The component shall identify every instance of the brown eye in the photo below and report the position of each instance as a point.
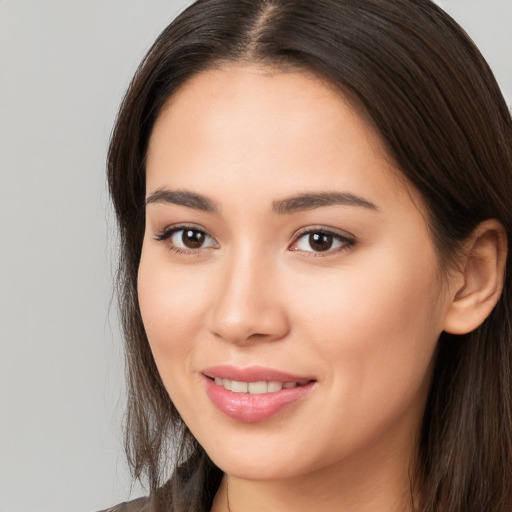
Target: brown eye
(187, 239)
(320, 242)
(192, 238)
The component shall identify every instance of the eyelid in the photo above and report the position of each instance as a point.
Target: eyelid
(319, 228)
(172, 228)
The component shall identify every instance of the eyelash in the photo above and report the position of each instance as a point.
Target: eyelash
(347, 242)
(167, 233)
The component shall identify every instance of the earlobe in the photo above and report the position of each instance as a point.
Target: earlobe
(476, 287)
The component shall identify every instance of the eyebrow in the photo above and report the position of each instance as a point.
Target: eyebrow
(304, 202)
(301, 202)
(182, 198)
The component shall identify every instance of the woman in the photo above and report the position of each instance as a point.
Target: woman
(314, 205)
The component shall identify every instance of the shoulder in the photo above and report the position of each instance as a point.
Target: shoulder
(193, 486)
(138, 505)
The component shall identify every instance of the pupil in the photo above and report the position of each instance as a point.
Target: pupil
(320, 241)
(192, 239)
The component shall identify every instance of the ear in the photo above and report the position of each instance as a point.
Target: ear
(477, 284)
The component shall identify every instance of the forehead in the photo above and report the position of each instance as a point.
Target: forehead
(258, 94)
(260, 127)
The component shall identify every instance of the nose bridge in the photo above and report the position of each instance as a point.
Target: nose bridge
(248, 304)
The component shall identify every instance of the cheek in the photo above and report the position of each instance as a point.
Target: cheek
(170, 303)
(376, 335)
(378, 328)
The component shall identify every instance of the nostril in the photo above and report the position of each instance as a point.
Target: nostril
(258, 335)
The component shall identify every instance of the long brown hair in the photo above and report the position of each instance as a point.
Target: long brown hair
(434, 101)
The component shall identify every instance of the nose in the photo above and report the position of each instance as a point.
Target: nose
(248, 305)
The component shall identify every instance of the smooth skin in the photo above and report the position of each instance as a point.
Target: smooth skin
(236, 277)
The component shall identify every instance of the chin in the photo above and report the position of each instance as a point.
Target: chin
(250, 460)
(255, 469)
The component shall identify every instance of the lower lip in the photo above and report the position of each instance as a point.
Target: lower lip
(252, 408)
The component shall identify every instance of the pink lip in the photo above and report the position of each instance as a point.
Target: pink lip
(253, 408)
(252, 374)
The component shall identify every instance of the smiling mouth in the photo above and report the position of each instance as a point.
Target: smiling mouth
(256, 393)
(256, 388)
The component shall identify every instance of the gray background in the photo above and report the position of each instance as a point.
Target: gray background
(64, 66)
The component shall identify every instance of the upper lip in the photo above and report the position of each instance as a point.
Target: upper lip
(252, 374)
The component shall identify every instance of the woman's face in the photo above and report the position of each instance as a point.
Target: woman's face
(288, 284)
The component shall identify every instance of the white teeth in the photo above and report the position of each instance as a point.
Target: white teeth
(274, 386)
(238, 387)
(257, 388)
(254, 388)
(225, 383)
